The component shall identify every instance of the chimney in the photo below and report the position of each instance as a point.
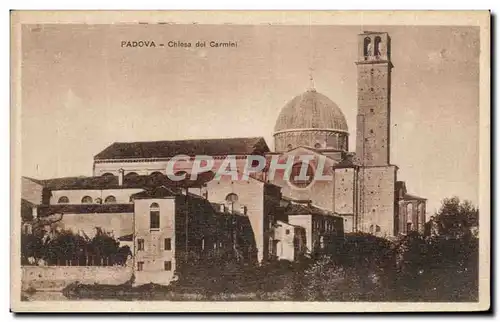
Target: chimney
(120, 177)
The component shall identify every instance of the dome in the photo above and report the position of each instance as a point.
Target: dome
(311, 110)
(311, 120)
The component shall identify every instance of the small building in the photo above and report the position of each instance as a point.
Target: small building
(323, 229)
(411, 211)
(288, 242)
(180, 232)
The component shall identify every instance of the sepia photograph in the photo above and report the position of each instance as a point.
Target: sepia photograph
(265, 161)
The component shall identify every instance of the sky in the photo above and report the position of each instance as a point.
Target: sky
(82, 91)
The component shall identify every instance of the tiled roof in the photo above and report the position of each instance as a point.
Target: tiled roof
(408, 196)
(156, 193)
(283, 223)
(346, 163)
(306, 209)
(81, 182)
(111, 182)
(129, 237)
(167, 149)
(85, 209)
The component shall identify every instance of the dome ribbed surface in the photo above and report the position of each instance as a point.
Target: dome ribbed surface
(311, 110)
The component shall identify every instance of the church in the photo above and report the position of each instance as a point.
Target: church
(364, 190)
(129, 192)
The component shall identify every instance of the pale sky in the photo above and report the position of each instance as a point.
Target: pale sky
(81, 91)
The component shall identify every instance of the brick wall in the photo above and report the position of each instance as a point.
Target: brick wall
(374, 88)
(344, 190)
(379, 199)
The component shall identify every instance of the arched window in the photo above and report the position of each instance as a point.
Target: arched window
(63, 199)
(154, 216)
(378, 41)
(231, 201)
(110, 199)
(377, 228)
(131, 177)
(108, 174)
(317, 146)
(98, 201)
(87, 199)
(297, 180)
(156, 177)
(367, 47)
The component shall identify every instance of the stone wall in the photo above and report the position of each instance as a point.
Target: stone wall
(55, 278)
(119, 224)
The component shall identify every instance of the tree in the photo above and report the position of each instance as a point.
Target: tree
(441, 266)
(103, 247)
(31, 248)
(456, 218)
(123, 253)
(64, 247)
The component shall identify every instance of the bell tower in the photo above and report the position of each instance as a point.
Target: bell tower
(376, 177)
(374, 99)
